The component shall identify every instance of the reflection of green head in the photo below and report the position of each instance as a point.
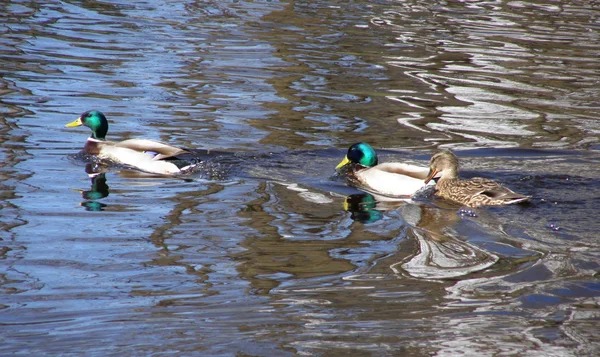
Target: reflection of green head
(362, 207)
(367, 216)
(93, 206)
(363, 154)
(94, 120)
(99, 188)
(98, 191)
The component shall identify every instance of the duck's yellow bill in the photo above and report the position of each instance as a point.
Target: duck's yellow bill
(346, 205)
(343, 163)
(431, 175)
(74, 123)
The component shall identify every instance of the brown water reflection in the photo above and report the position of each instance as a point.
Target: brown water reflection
(257, 255)
(474, 75)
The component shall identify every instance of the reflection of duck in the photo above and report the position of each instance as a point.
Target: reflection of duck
(97, 191)
(367, 208)
(391, 178)
(146, 155)
(362, 208)
(441, 255)
(474, 192)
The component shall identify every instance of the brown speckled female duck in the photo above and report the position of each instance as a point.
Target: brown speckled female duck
(474, 192)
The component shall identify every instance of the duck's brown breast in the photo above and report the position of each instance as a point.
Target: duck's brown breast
(92, 147)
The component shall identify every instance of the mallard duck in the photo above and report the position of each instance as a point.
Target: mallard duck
(390, 179)
(144, 154)
(475, 192)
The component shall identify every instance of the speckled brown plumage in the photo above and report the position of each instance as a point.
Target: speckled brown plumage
(474, 192)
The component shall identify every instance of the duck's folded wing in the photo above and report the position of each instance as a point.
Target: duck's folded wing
(495, 191)
(393, 179)
(417, 172)
(504, 194)
(162, 151)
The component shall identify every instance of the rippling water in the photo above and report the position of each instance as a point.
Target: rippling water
(263, 252)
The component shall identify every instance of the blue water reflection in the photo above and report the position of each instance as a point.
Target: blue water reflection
(260, 252)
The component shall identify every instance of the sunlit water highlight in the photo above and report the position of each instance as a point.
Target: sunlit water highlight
(253, 253)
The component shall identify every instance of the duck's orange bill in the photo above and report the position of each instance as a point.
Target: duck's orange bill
(74, 123)
(343, 163)
(432, 173)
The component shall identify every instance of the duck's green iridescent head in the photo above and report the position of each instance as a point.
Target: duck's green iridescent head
(94, 120)
(360, 153)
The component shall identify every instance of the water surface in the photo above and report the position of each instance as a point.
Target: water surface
(263, 252)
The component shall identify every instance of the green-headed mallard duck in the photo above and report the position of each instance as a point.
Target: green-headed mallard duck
(144, 154)
(474, 192)
(390, 179)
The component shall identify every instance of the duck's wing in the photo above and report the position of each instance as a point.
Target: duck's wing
(495, 191)
(162, 151)
(393, 179)
(408, 170)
